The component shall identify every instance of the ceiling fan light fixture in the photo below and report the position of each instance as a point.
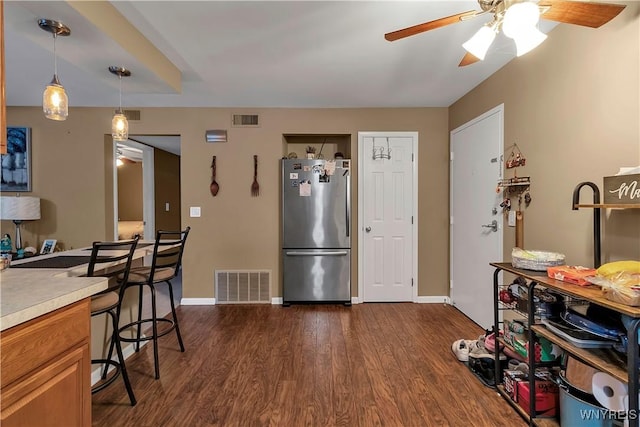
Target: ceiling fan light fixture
(520, 17)
(528, 40)
(479, 44)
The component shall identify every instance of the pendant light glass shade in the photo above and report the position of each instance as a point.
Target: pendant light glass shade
(119, 127)
(55, 103)
(119, 123)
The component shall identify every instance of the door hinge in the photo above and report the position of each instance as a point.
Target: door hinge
(450, 284)
(411, 219)
(450, 220)
(451, 156)
(412, 282)
(412, 157)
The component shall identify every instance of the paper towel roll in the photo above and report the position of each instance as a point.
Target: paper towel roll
(609, 392)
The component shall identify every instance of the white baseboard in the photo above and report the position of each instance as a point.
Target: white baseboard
(198, 301)
(433, 300)
(356, 300)
(127, 351)
(276, 300)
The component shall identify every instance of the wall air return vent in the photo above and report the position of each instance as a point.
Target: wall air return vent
(245, 120)
(132, 114)
(243, 286)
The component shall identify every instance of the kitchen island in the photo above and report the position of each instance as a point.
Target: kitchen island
(45, 358)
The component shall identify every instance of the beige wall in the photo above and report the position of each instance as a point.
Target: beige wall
(236, 231)
(130, 192)
(167, 189)
(572, 106)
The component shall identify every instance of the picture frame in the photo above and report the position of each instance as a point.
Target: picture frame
(48, 246)
(16, 164)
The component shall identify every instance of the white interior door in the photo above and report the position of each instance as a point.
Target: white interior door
(476, 167)
(387, 216)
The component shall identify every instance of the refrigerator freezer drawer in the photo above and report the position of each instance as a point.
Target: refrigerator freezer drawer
(313, 275)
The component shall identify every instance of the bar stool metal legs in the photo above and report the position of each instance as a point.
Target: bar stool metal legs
(155, 321)
(119, 366)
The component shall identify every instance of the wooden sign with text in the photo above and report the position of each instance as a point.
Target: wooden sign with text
(622, 189)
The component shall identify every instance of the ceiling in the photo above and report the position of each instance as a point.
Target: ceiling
(298, 54)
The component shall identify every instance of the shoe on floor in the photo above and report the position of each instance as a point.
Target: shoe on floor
(461, 349)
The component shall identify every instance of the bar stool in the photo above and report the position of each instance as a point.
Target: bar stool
(165, 265)
(113, 260)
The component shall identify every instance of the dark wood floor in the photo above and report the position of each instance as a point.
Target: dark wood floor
(308, 365)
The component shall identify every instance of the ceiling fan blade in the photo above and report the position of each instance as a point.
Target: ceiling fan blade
(468, 59)
(587, 14)
(431, 25)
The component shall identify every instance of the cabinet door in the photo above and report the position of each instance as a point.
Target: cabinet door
(52, 396)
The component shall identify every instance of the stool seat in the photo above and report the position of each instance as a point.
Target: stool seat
(141, 274)
(104, 301)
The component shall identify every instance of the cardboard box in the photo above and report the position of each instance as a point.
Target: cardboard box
(511, 379)
(622, 189)
(547, 397)
(571, 274)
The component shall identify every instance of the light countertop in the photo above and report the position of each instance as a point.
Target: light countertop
(27, 294)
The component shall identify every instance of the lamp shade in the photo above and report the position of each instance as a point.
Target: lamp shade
(20, 208)
(528, 40)
(480, 42)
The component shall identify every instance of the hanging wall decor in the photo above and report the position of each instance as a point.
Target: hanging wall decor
(213, 187)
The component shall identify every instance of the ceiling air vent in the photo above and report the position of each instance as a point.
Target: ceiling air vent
(245, 120)
(132, 114)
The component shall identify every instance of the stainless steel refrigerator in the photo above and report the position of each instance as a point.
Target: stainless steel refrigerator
(316, 232)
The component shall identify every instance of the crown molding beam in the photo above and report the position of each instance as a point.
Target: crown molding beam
(112, 23)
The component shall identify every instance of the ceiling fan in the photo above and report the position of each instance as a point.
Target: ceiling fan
(517, 19)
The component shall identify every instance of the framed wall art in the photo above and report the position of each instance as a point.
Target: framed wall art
(16, 164)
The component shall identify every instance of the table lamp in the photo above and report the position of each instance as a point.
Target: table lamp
(18, 209)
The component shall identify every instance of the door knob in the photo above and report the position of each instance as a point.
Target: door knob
(368, 229)
(493, 226)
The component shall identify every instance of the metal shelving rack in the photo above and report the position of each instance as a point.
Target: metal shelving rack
(591, 357)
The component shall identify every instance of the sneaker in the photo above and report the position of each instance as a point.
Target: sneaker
(462, 347)
(481, 352)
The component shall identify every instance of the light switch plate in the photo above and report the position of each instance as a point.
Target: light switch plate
(512, 219)
(194, 212)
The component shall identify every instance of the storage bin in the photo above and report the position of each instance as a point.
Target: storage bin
(576, 412)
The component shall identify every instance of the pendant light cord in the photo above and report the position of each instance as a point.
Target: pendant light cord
(120, 78)
(55, 56)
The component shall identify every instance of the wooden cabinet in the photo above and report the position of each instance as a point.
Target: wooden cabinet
(46, 369)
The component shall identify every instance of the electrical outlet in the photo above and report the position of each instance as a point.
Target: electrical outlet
(166, 207)
(194, 212)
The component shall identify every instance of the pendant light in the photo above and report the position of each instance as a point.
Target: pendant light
(55, 102)
(119, 123)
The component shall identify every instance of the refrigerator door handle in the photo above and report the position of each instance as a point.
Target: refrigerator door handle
(315, 253)
(348, 203)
